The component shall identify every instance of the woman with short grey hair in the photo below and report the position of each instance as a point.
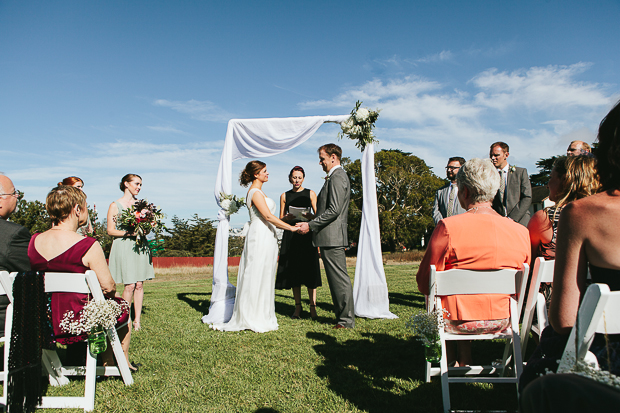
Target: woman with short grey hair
(481, 179)
(479, 239)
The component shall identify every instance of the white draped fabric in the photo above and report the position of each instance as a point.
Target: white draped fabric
(259, 138)
(370, 292)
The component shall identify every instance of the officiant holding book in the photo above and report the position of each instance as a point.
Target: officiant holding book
(299, 258)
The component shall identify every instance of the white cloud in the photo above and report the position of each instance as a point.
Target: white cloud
(166, 129)
(200, 110)
(540, 109)
(443, 56)
(551, 87)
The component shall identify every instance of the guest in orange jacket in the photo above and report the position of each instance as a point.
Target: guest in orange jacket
(479, 239)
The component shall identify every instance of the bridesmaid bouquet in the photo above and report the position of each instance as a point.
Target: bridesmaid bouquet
(141, 219)
(359, 126)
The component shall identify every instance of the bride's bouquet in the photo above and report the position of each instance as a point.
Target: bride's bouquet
(141, 219)
(359, 126)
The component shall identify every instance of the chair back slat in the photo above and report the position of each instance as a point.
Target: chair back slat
(59, 282)
(609, 323)
(452, 282)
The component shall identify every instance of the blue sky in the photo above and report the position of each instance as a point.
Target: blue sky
(99, 89)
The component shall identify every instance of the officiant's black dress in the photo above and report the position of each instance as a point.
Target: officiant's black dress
(299, 259)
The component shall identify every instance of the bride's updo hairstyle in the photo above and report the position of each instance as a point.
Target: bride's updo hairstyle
(61, 200)
(127, 178)
(251, 169)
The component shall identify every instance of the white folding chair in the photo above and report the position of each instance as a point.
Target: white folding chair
(461, 282)
(535, 302)
(598, 313)
(76, 283)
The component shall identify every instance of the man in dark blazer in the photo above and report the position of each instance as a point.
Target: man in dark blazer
(14, 240)
(446, 199)
(329, 232)
(514, 196)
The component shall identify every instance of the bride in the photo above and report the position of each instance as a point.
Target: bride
(255, 301)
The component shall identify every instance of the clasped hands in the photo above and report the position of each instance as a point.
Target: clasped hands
(304, 228)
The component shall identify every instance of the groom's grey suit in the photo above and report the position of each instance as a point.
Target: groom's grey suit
(329, 232)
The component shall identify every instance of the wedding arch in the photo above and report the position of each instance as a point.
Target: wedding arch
(259, 138)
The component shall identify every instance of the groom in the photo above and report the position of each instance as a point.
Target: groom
(329, 232)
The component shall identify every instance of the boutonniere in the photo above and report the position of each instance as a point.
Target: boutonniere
(513, 168)
(326, 178)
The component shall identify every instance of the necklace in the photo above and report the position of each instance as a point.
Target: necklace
(62, 229)
(475, 209)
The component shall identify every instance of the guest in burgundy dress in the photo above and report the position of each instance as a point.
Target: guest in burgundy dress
(61, 249)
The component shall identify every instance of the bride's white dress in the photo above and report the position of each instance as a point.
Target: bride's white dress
(255, 300)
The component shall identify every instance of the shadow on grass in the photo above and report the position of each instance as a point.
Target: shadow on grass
(199, 304)
(415, 300)
(380, 372)
(288, 309)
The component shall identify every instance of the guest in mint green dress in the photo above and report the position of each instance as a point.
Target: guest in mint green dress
(129, 264)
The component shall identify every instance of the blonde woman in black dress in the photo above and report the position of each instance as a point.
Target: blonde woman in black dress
(299, 259)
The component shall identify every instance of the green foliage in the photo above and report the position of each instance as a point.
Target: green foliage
(406, 189)
(32, 215)
(545, 165)
(235, 246)
(194, 237)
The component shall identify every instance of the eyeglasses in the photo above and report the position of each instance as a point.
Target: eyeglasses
(452, 168)
(15, 193)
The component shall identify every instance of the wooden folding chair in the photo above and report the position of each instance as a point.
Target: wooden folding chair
(535, 302)
(461, 282)
(76, 283)
(598, 313)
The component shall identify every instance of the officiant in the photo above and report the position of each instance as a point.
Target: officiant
(299, 259)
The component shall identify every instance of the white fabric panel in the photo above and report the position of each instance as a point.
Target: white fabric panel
(370, 292)
(249, 138)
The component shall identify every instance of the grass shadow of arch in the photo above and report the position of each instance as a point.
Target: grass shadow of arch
(200, 305)
(380, 372)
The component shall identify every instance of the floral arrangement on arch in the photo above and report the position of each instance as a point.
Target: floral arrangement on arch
(359, 126)
(230, 203)
(141, 219)
(95, 314)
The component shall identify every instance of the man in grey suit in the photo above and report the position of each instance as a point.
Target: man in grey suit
(446, 199)
(514, 195)
(14, 240)
(329, 232)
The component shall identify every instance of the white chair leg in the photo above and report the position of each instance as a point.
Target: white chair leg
(119, 355)
(427, 375)
(90, 381)
(445, 389)
(53, 366)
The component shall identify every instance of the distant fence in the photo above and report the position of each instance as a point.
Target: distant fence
(168, 262)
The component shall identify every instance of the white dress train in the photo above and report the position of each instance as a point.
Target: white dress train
(255, 300)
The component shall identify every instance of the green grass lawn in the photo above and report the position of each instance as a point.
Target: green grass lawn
(305, 366)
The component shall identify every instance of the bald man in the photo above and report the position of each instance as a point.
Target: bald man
(578, 148)
(14, 240)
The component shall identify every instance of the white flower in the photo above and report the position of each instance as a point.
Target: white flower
(346, 125)
(356, 130)
(362, 114)
(225, 204)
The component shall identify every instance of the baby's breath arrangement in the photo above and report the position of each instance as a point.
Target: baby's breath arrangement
(359, 126)
(426, 326)
(94, 315)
